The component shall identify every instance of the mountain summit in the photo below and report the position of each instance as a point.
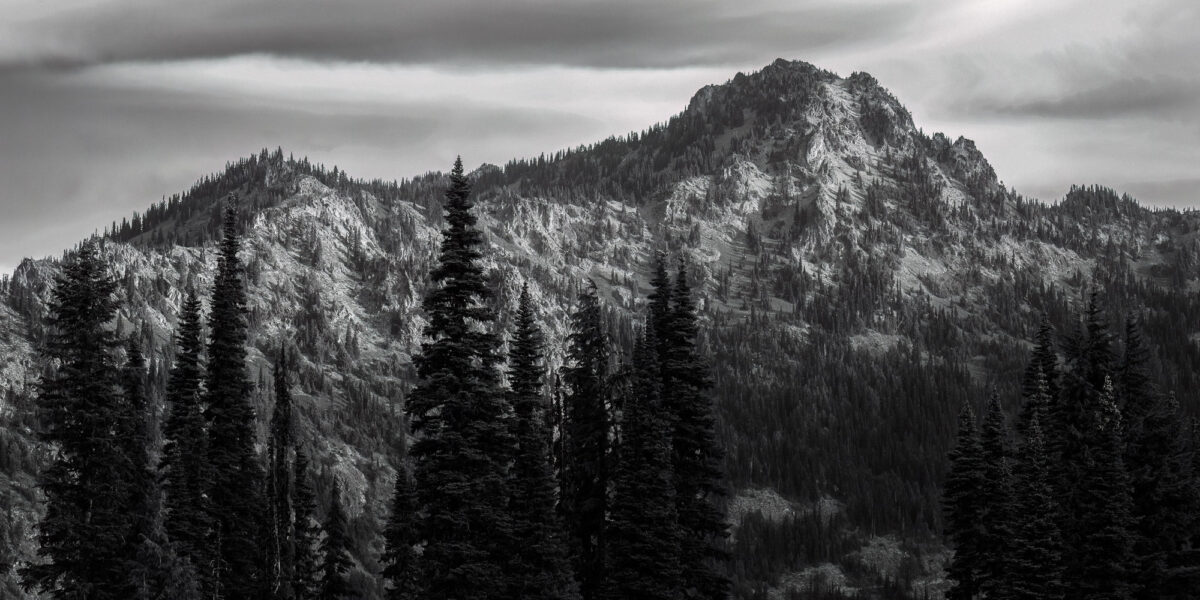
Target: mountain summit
(858, 281)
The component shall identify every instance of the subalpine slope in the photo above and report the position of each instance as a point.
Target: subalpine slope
(858, 280)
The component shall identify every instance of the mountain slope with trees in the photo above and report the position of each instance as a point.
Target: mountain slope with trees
(856, 282)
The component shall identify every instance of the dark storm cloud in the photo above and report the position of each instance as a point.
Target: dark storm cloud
(624, 34)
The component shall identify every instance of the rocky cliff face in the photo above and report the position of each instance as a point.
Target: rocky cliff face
(858, 280)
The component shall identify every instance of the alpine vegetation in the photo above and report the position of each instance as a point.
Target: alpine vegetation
(479, 515)
(784, 345)
(1095, 496)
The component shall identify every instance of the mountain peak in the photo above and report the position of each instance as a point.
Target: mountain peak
(783, 65)
(770, 87)
(802, 97)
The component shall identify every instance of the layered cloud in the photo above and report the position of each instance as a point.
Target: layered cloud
(595, 34)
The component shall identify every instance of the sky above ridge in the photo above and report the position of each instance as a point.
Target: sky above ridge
(106, 107)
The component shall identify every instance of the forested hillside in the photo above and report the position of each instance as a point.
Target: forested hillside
(857, 281)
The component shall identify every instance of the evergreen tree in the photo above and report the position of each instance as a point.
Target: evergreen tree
(1037, 565)
(1134, 387)
(1104, 566)
(184, 465)
(659, 307)
(1072, 436)
(85, 536)
(1185, 571)
(306, 567)
(556, 423)
(1089, 362)
(1096, 350)
(237, 481)
(643, 535)
(464, 447)
(585, 494)
(335, 550)
(1039, 396)
(1163, 494)
(1158, 460)
(999, 510)
(696, 454)
(541, 569)
(135, 438)
(158, 571)
(401, 569)
(279, 543)
(963, 503)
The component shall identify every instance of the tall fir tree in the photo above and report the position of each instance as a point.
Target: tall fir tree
(1089, 361)
(237, 481)
(134, 435)
(1144, 458)
(159, 571)
(184, 461)
(1071, 434)
(461, 416)
(400, 559)
(305, 531)
(696, 453)
(559, 445)
(335, 551)
(1038, 562)
(1104, 565)
(1186, 571)
(279, 543)
(659, 307)
(1161, 480)
(1039, 387)
(1135, 389)
(999, 510)
(963, 502)
(541, 567)
(584, 499)
(86, 533)
(643, 533)
(1096, 349)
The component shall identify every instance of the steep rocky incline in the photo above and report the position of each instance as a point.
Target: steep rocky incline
(858, 279)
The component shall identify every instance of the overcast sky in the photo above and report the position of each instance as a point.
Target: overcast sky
(106, 107)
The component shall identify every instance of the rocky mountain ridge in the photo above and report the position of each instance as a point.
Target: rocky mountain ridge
(857, 278)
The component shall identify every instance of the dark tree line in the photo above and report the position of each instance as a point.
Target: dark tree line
(613, 491)
(632, 511)
(125, 519)
(87, 540)
(875, 422)
(1094, 496)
